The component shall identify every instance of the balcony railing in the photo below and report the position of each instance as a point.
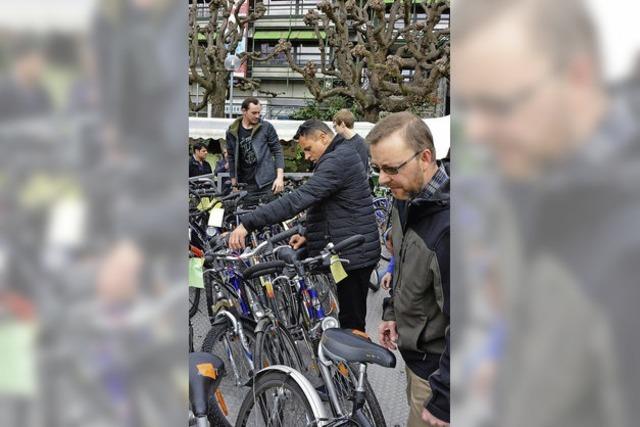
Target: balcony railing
(301, 59)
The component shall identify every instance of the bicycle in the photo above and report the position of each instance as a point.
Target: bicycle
(282, 396)
(243, 328)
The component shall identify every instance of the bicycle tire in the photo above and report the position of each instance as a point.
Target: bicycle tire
(345, 390)
(283, 303)
(228, 387)
(276, 380)
(194, 301)
(275, 346)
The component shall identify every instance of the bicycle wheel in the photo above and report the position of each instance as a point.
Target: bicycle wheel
(345, 379)
(382, 216)
(283, 303)
(222, 341)
(327, 294)
(274, 346)
(276, 400)
(194, 300)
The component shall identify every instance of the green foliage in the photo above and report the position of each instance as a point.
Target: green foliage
(294, 159)
(326, 109)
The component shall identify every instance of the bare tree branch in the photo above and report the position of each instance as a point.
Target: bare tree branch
(378, 56)
(222, 33)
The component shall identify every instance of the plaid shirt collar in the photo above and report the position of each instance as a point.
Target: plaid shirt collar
(436, 182)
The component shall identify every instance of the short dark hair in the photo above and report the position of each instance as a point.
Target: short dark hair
(312, 126)
(199, 146)
(248, 101)
(412, 128)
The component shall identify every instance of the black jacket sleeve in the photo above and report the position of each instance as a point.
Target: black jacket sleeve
(326, 179)
(231, 154)
(275, 147)
(439, 381)
(193, 171)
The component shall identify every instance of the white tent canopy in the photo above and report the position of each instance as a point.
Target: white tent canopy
(216, 128)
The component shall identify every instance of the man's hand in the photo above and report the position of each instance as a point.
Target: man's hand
(236, 240)
(297, 241)
(385, 283)
(278, 185)
(431, 420)
(388, 334)
(234, 185)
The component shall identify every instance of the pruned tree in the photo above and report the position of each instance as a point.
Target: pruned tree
(209, 46)
(364, 49)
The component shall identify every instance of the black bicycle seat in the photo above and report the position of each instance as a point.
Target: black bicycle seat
(205, 373)
(345, 345)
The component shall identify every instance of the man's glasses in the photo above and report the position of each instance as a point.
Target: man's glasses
(502, 106)
(393, 170)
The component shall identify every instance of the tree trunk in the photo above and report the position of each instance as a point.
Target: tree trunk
(218, 99)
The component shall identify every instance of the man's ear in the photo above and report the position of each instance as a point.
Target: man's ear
(427, 156)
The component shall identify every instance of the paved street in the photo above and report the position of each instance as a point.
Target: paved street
(389, 384)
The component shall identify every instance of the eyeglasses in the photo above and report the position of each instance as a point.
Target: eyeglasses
(502, 106)
(391, 170)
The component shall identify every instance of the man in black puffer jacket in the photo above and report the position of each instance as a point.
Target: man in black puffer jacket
(339, 206)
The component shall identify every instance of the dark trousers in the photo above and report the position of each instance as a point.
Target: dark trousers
(352, 298)
(257, 195)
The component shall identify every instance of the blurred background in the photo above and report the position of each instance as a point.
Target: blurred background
(545, 204)
(93, 120)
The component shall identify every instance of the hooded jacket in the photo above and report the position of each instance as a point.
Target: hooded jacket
(420, 302)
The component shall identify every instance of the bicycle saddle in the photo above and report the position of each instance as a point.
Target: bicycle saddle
(345, 345)
(205, 373)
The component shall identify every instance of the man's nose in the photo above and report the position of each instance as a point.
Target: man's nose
(384, 178)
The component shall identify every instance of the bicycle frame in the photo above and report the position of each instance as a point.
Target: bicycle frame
(358, 404)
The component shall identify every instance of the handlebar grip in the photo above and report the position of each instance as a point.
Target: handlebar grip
(231, 196)
(263, 268)
(349, 243)
(285, 235)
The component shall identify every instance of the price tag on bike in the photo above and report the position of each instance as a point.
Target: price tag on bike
(195, 273)
(216, 216)
(337, 270)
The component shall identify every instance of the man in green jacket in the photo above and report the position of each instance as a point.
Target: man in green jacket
(417, 318)
(255, 154)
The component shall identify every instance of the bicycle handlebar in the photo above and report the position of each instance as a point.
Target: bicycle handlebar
(285, 235)
(348, 243)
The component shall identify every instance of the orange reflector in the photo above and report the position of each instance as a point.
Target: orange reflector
(221, 403)
(342, 368)
(360, 333)
(207, 370)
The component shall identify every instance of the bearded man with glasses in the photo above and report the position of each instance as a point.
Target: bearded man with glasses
(417, 318)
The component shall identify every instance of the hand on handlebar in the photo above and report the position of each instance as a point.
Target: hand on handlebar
(297, 241)
(237, 238)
